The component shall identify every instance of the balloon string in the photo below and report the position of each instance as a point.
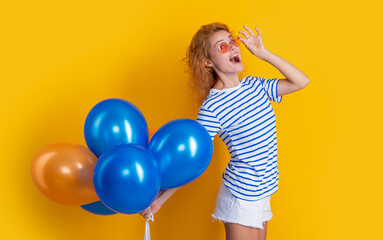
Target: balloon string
(147, 228)
(151, 217)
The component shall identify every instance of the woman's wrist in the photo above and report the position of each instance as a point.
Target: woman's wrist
(164, 195)
(265, 54)
(160, 193)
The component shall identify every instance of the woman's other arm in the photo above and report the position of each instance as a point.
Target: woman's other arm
(162, 197)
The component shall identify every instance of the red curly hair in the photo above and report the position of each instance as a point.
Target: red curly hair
(202, 78)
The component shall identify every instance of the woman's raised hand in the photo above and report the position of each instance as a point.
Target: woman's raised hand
(253, 43)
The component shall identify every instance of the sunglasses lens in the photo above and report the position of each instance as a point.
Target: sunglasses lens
(223, 47)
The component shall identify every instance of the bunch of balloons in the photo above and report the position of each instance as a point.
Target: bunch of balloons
(121, 172)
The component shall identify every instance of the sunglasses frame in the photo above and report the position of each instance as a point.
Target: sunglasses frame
(225, 44)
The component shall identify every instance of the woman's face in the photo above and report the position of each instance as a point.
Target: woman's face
(228, 62)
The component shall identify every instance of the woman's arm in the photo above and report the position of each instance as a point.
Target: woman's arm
(162, 196)
(295, 78)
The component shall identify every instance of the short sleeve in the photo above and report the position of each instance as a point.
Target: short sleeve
(270, 87)
(208, 119)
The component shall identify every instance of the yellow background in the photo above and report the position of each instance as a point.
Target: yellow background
(59, 59)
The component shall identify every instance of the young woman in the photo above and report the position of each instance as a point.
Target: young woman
(239, 111)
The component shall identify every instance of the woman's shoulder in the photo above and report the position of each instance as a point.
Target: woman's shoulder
(209, 98)
(249, 79)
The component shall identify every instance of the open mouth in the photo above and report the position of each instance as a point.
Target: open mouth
(235, 58)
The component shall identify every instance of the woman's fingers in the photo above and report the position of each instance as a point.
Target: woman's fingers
(143, 212)
(145, 215)
(146, 212)
(244, 34)
(249, 30)
(243, 40)
(259, 32)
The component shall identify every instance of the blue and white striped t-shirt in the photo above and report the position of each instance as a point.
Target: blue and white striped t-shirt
(245, 121)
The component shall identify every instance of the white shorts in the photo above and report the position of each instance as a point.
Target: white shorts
(248, 213)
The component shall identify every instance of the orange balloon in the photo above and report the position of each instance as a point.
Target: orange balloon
(64, 173)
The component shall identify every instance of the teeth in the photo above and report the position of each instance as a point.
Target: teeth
(235, 55)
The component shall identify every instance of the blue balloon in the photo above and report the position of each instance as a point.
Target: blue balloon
(183, 150)
(112, 122)
(126, 178)
(98, 208)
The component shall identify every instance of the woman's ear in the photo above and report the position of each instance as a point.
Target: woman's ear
(208, 63)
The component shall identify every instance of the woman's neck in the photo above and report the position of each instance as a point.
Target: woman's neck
(226, 81)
